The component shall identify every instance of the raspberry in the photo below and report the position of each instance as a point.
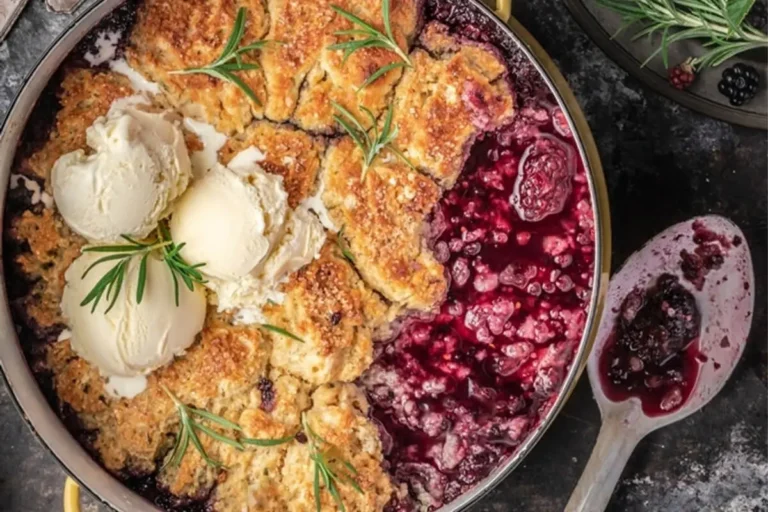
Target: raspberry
(682, 75)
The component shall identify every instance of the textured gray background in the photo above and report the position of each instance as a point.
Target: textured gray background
(663, 164)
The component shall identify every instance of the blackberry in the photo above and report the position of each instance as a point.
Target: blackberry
(739, 84)
(758, 16)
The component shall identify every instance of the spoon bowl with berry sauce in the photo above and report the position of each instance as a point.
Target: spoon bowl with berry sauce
(676, 322)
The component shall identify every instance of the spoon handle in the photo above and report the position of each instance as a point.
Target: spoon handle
(614, 445)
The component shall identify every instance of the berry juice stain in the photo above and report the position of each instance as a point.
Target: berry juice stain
(652, 353)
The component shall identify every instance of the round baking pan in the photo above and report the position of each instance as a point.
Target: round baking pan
(50, 429)
(602, 24)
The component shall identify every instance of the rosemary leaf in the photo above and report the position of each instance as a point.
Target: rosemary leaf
(103, 260)
(341, 243)
(122, 269)
(133, 241)
(113, 248)
(238, 31)
(179, 449)
(316, 488)
(215, 418)
(101, 286)
(280, 330)
(142, 279)
(197, 444)
(267, 442)
(215, 435)
(349, 467)
(175, 288)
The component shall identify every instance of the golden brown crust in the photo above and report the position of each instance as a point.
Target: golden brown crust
(290, 153)
(176, 35)
(305, 29)
(339, 415)
(455, 91)
(52, 248)
(129, 433)
(219, 373)
(77, 382)
(333, 79)
(226, 363)
(301, 28)
(254, 476)
(133, 433)
(85, 95)
(330, 309)
(383, 219)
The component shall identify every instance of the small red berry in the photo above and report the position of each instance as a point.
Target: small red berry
(682, 76)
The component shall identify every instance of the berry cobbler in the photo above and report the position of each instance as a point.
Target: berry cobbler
(381, 215)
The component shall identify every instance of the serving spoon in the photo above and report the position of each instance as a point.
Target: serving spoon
(726, 303)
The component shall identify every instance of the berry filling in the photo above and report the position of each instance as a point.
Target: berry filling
(708, 255)
(652, 351)
(455, 393)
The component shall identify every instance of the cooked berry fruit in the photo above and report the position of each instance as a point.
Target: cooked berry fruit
(647, 352)
(739, 84)
(544, 180)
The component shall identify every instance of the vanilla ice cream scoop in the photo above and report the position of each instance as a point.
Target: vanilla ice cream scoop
(300, 243)
(138, 167)
(237, 221)
(229, 221)
(131, 339)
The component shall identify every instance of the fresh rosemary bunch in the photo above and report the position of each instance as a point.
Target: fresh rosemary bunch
(329, 467)
(111, 282)
(370, 38)
(371, 144)
(718, 23)
(190, 420)
(230, 62)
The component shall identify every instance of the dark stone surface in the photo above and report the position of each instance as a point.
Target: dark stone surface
(663, 165)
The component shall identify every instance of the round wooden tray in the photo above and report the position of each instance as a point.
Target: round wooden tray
(601, 23)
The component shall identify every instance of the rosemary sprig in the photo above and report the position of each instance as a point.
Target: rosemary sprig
(190, 421)
(280, 330)
(111, 282)
(230, 62)
(371, 144)
(330, 468)
(718, 23)
(341, 243)
(180, 269)
(370, 38)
